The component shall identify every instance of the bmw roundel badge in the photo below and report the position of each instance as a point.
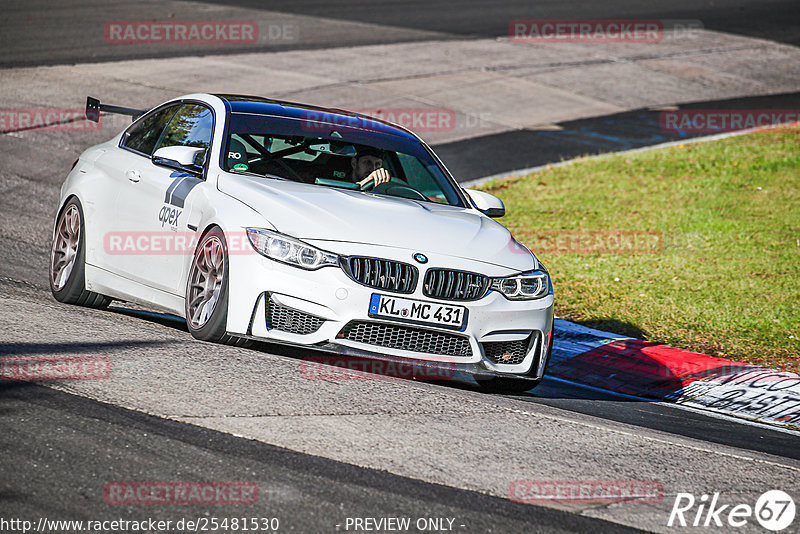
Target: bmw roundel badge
(421, 258)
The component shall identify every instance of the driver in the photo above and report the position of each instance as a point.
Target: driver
(367, 165)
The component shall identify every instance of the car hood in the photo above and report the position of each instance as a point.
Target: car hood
(319, 213)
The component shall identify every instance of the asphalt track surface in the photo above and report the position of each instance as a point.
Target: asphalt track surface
(57, 448)
(775, 20)
(489, 155)
(79, 442)
(39, 32)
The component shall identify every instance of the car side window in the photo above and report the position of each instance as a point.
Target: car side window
(192, 125)
(143, 135)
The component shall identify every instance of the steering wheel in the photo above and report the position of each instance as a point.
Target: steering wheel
(367, 186)
(397, 190)
(370, 185)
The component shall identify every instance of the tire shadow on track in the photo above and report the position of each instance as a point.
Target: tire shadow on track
(553, 392)
(325, 365)
(164, 319)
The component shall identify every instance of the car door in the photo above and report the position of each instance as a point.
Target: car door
(122, 167)
(159, 204)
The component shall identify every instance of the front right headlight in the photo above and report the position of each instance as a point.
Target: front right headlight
(530, 285)
(285, 249)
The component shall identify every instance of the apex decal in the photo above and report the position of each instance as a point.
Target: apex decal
(169, 215)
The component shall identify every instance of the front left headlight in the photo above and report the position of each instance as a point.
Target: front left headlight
(530, 285)
(289, 250)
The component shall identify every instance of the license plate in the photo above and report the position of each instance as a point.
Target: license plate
(417, 311)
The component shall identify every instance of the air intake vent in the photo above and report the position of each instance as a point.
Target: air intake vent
(406, 338)
(287, 319)
(387, 275)
(507, 352)
(447, 284)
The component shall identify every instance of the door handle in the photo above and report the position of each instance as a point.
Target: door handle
(133, 176)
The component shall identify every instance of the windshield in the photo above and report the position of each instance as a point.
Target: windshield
(333, 156)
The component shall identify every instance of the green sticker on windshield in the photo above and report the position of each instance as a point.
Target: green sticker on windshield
(240, 167)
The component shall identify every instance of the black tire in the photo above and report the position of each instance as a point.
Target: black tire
(513, 385)
(213, 326)
(70, 287)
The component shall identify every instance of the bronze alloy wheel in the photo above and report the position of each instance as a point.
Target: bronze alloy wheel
(206, 277)
(65, 246)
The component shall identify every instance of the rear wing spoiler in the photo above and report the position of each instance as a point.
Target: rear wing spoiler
(94, 107)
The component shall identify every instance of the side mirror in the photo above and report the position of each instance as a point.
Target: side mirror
(488, 204)
(183, 158)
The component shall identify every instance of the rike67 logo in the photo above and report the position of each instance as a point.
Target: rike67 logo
(774, 510)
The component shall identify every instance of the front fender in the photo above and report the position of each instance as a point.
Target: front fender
(233, 216)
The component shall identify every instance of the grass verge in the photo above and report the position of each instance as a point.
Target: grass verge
(696, 246)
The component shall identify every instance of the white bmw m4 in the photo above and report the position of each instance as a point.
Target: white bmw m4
(258, 219)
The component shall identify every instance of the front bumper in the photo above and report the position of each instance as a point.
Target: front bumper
(327, 310)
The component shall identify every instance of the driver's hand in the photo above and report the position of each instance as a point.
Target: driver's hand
(380, 176)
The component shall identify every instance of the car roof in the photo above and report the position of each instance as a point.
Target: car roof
(280, 108)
